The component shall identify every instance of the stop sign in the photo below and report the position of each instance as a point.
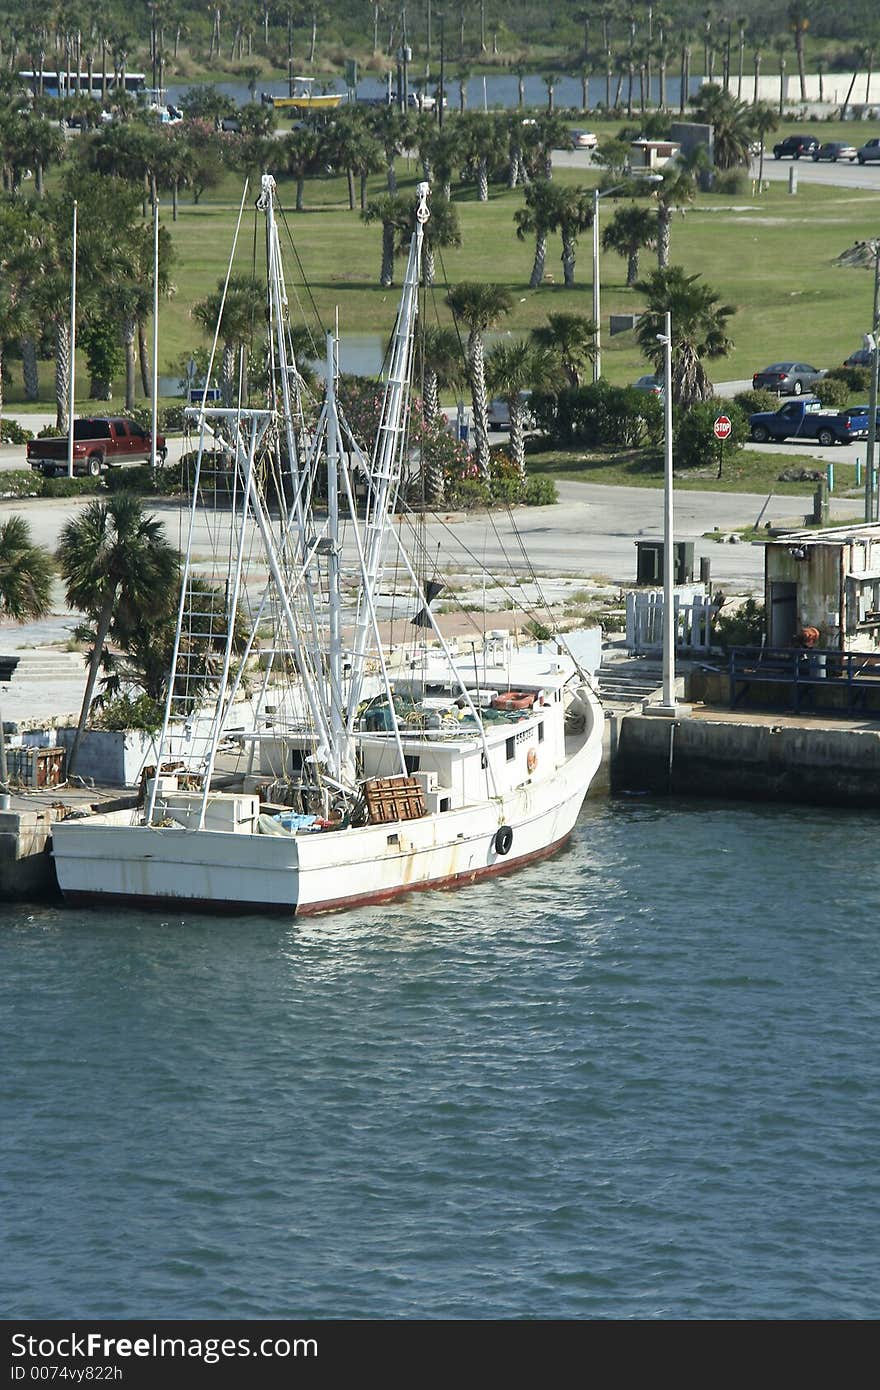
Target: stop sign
(722, 427)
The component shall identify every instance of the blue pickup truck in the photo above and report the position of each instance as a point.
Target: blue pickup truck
(806, 419)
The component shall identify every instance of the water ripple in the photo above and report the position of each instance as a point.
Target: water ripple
(636, 1081)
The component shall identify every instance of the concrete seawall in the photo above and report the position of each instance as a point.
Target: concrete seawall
(757, 761)
(752, 758)
(26, 870)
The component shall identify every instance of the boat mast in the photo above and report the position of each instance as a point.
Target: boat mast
(341, 754)
(386, 463)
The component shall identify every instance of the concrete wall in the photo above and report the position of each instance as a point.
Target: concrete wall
(110, 758)
(703, 757)
(27, 872)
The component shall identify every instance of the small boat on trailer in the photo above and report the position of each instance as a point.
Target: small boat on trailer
(304, 98)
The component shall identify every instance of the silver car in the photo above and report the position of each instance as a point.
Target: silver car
(787, 378)
(869, 151)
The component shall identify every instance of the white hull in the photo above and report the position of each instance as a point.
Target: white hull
(101, 859)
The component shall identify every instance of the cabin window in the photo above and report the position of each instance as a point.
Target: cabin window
(510, 745)
(541, 732)
(411, 762)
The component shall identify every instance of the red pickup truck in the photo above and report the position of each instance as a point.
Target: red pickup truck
(96, 442)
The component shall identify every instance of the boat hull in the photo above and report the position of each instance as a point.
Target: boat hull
(325, 102)
(100, 861)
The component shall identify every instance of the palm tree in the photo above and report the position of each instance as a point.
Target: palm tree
(574, 214)
(480, 307)
(741, 24)
(461, 78)
(571, 339)
(394, 130)
(394, 215)
(351, 146)
(780, 45)
(114, 560)
(25, 573)
(799, 23)
(25, 590)
(538, 218)
(677, 191)
(686, 38)
(699, 329)
(731, 121)
(521, 73)
(482, 144)
(548, 133)
(764, 119)
(301, 154)
(512, 369)
(239, 313)
(19, 266)
(440, 366)
(630, 230)
(441, 229)
(442, 152)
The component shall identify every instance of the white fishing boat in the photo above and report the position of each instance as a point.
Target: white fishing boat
(381, 769)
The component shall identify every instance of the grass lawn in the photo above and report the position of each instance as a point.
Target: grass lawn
(769, 255)
(749, 470)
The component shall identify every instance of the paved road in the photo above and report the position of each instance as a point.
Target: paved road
(807, 170)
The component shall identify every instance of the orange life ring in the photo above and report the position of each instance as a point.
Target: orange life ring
(532, 759)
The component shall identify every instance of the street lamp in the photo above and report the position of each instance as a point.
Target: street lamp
(870, 489)
(667, 705)
(605, 193)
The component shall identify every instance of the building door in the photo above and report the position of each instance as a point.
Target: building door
(783, 613)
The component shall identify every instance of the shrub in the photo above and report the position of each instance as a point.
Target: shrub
(742, 626)
(468, 492)
(127, 713)
(172, 419)
(507, 489)
(20, 482)
(695, 442)
(71, 487)
(540, 492)
(11, 432)
(169, 418)
(750, 402)
(140, 480)
(857, 379)
(735, 181)
(599, 414)
(50, 432)
(832, 392)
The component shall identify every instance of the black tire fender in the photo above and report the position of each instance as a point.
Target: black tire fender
(503, 839)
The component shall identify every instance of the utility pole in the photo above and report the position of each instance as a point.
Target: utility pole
(441, 91)
(871, 487)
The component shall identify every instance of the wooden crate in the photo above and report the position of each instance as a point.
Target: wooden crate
(394, 798)
(35, 768)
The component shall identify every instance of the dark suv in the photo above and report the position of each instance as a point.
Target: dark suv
(793, 146)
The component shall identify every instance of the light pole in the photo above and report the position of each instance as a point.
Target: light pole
(668, 703)
(870, 485)
(605, 193)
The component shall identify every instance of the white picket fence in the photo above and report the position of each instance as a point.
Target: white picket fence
(693, 614)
